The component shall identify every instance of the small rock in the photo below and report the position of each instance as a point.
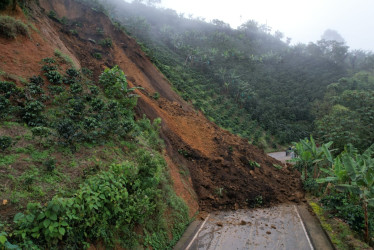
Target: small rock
(268, 232)
(220, 224)
(273, 227)
(243, 223)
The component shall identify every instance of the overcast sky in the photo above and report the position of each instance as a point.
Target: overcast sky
(302, 20)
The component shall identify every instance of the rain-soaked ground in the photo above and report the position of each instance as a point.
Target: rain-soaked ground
(278, 227)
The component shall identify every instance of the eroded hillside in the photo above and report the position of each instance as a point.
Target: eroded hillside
(211, 168)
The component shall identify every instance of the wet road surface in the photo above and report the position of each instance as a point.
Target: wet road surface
(280, 156)
(278, 227)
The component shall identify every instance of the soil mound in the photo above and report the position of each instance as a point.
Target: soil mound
(225, 171)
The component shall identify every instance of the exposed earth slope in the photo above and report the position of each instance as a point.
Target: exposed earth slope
(225, 172)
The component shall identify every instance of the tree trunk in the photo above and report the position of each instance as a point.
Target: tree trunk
(14, 6)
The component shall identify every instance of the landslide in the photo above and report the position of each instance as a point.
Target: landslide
(211, 168)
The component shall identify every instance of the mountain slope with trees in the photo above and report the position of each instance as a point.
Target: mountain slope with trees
(247, 80)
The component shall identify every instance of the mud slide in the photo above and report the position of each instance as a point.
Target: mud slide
(225, 171)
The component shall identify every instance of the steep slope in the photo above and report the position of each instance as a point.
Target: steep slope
(222, 166)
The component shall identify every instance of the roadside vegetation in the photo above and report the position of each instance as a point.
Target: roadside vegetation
(343, 182)
(77, 169)
(340, 171)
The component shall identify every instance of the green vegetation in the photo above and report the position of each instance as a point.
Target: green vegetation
(65, 58)
(346, 114)
(81, 169)
(245, 80)
(5, 142)
(11, 27)
(343, 181)
(277, 166)
(106, 42)
(254, 164)
(97, 55)
(249, 81)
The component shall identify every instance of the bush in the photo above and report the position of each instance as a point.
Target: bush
(56, 90)
(97, 55)
(310, 185)
(156, 95)
(67, 131)
(11, 27)
(5, 142)
(32, 113)
(7, 89)
(49, 164)
(54, 77)
(107, 42)
(113, 202)
(87, 72)
(4, 106)
(76, 89)
(72, 72)
(342, 206)
(37, 80)
(53, 15)
(41, 132)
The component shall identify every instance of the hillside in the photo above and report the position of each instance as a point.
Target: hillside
(210, 168)
(248, 80)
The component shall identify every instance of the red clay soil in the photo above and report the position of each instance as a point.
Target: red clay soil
(218, 162)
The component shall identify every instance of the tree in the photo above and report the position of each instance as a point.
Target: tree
(14, 5)
(332, 35)
(358, 174)
(148, 2)
(279, 35)
(335, 51)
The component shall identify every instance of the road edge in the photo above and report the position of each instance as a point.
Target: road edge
(188, 235)
(318, 236)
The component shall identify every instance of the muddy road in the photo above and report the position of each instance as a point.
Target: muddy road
(286, 226)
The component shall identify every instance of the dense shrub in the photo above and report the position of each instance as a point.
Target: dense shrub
(343, 206)
(32, 113)
(107, 42)
(68, 131)
(54, 76)
(11, 27)
(4, 4)
(97, 55)
(7, 88)
(4, 106)
(5, 142)
(112, 203)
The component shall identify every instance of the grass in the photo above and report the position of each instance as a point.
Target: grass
(39, 156)
(65, 58)
(11, 27)
(277, 166)
(6, 160)
(339, 232)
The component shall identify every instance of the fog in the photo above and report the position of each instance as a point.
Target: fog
(303, 21)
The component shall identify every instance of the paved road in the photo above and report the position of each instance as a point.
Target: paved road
(271, 228)
(280, 156)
